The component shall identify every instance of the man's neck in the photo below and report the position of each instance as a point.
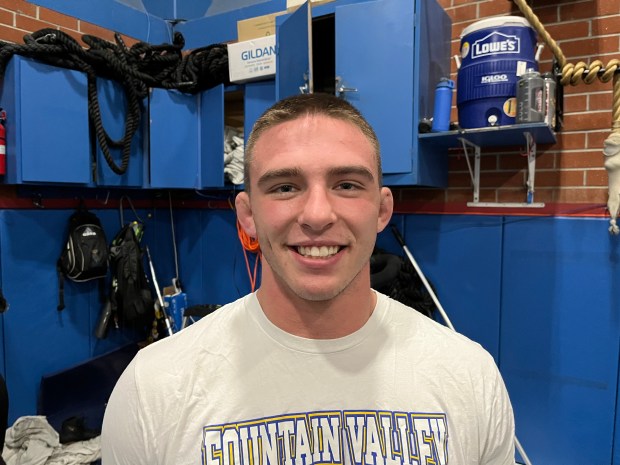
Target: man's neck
(326, 319)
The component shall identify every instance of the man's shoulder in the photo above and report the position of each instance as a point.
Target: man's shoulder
(208, 331)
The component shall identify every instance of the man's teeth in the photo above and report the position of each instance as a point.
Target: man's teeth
(318, 252)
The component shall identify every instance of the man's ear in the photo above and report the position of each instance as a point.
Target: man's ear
(244, 213)
(386, 207)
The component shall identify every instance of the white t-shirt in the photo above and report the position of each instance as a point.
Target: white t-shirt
(234, 389)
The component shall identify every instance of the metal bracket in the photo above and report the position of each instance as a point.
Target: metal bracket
(475, 175)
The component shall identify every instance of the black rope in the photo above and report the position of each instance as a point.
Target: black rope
(136, 68)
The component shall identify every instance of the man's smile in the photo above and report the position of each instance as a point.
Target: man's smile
(323, 251)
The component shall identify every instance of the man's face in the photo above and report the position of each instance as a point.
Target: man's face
(315, 206)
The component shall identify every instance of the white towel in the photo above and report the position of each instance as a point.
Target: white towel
(33, 441)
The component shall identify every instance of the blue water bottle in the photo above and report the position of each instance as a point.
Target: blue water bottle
(443, 105)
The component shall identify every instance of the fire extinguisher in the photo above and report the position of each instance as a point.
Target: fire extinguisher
(2, 142)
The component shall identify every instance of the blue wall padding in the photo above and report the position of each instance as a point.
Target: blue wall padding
(560, 334)
(461, 256)
(538, 293)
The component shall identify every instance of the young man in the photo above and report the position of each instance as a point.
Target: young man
(314, 367)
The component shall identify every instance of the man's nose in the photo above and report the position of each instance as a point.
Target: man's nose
(318, 211)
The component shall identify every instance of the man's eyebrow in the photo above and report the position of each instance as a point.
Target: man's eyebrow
(280, 173)
(358, 170)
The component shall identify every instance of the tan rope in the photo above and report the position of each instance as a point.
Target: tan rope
(574, 74)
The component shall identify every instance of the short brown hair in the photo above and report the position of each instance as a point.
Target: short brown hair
(292, 108)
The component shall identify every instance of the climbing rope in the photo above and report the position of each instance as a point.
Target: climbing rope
(573, 74)
(136, 68)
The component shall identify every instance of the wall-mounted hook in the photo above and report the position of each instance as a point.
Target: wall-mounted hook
(37, 200)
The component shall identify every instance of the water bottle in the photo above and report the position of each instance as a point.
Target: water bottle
(443, 105)
(530, 97)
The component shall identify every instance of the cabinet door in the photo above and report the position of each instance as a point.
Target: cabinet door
(174, 139)
(374, 56)
(293, 57)
(187, 139)
(47, 123)
(212, 138)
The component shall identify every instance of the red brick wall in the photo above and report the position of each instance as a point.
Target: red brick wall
(18, 17)
(570, 171)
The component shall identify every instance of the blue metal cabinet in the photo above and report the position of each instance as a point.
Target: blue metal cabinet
(187, 139)
(389, 55)
(47, 124)
(113, 108)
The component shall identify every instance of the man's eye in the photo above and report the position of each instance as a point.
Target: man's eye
(347, 186)
(284, 189)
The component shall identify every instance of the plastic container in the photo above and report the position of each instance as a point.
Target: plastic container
(550, 99)
(495, 52)
(530, 98)
(443, 105)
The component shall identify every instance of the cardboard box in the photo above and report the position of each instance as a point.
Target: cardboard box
(254, 28)
(252, 60)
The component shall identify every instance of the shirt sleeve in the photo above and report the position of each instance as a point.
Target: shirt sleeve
(124, 435)
(499, 448)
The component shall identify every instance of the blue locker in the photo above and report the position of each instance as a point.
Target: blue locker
(47, 124)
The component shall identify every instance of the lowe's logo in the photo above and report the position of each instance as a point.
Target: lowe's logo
(495, 43)
(260, 52)
(494, 78)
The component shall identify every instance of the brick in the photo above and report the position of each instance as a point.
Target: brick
(30, 24)
(575, 103)
(600, 101)
(570, 140)
(502, 179)
(560, 178)
(578, 10)
(569, 30)
(548, 14)
(58, 19)
(10, 34)
(19, 6)
(587, 121)
(597, 178)
(7, 17)
(463, 12)
(596, 139)
(515, 161)
(605, 26)
(584, 159)
(459, 179)
(494, 8)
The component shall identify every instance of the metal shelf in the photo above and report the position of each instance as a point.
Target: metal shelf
(500, 136)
